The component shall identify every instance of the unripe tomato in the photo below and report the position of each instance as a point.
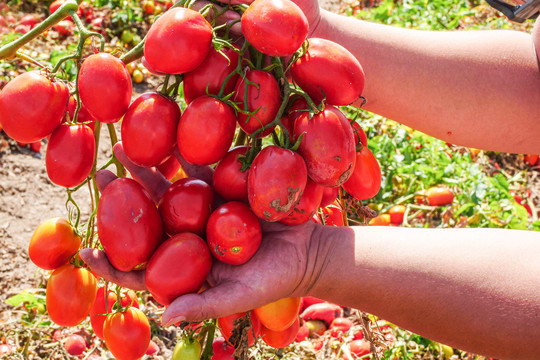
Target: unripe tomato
(280, 339)
(138, 76)
(105, 87)
(127, 334)
(187, 350)
(307, 206)
(397, 212)
(101, 307)
(229, 181)
(71, 292)
(439, 196)
(178, 41)
(380, 220)
(179, 266)
(365, 180)
(280, 314)
(226, 325)
(32, 106)
(53, 243)
(149, 7)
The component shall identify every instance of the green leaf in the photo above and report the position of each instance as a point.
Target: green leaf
(22, 298)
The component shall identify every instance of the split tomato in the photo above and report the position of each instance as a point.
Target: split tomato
(307, 206)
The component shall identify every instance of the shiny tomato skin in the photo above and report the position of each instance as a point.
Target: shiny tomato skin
(277, 178)
(359, 134)
(170, 167)
(32, 106)
(226, 325)
(263, 94)
(178, 41)
(233, 233)
(71, 292)
(128, 223)
(70, 154)
(280, 314)
(307, 206)
(397, 213)
(186, 206)
(101, 307)
(149, 129)
(204, 139)
(329, 196)
(229, 181)
(105, 87)
(275, 27)
(179, 266)
(222, 349)
(327, 146)
(53, 243)
(439, 196)
(280, 339)
(186, 349)
(333, 215)
(329, 68)
(127, 334)
(83, 116)
(365, 180)
(211, 74)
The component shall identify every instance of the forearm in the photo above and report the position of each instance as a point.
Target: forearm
(474, 88)
(474, 289)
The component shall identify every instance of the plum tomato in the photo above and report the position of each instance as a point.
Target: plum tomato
(397, 213)
(233, 233)
(327, 146)
(307, 206)
(333, 215)
(280, 339)
(170, 167)
(381, 220)
(280, 314)
(179, 266)
(439, 196)
(277, 178)
(105, 87)
(329, 196)
(226, 325)
(365, 180)
(275, 27)
(53, 243)
(222, 349)
(70, 154)
(32, 106)
(149, 129)
(127, 334)
(359, 134)
(71, 292)
(101, 307)
(178, 41)
(128, 223)
(205, 139)
(229, 181)
(186, 206)
(329, 70)
(83, 116)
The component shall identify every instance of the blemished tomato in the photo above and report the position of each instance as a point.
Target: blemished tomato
(179, 266)
(233, 233)
(439, 196)
(128, 223)
(329, 70)
(280, 314)
(101, 307)
(275, 27)
(222, 349)
(327, 146)
(365, 180)
(53, 243)
(178, 41)
(186, 206)
(329, 196)
(186, 349)
(397, 213)
(70, 155)
(307, 206)
(211, 74)
(263, 99)
(381, 220)
(71, 292)
(280, 339)
(32, 106)
(204, 139)
(229, 181)
(148, 129)
(127, 334)
(105, 87)
(226, 325)
(277, 178)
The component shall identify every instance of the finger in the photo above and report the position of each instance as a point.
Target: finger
(204, 173)
(103, 178)
(236, 2)
(151, 179)
(97, 261)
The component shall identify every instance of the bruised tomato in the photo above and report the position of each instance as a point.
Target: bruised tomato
(179, 266)
(229, 181)
(226, 325)
(280, 314)
(101, 307)
(280, 339)
(365, 180)
(127, 334)
(307, 206)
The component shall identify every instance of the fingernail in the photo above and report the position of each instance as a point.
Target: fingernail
(174, 320)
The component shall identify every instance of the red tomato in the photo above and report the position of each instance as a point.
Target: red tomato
(380, 220)
(178, 41)
(329, 196)
(333, 215)
(303, 332)
(359, 134)
(153, 348)
(275, 27)
(75, 345)
(298, 106)
(129, 297)
(36, 146)
(70, 155)
(365, 180)
(170, 167)
(328, 69)
(226, 325)
(26, 117)
(211, 74)
(83, 116)
(327, 146)
(71, 292)
(179, 266)
(105, 87)
(340, 325)
(53, 243)
(397, 213)
(276, 181)
(280, 339)
(307, 206)
(204, 139)
(531, 160)
(29, 20)
(55, 5)
(229, 181)
(280, 314)
(186, 206)
(128, 223)
(148, 129)
(101, 307)
(233, 233)
(127, 334)
(222, 349)
(439, 196)
(263, 99)
(359, 348)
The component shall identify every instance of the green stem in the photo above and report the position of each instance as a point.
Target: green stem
(120, 170)
(208, 350)
(24, 57)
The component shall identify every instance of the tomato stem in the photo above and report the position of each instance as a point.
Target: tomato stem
(120, 170)
(208, 350)
(343, 207)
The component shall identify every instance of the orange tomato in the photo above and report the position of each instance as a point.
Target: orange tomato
(280, 339)
(439, 196)
(380, 220)
(279, 315)
(396, 213)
